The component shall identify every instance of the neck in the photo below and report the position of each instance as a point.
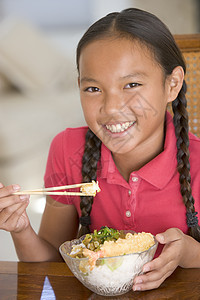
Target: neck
(137, 158)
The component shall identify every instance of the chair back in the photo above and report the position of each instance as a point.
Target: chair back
(189, 45)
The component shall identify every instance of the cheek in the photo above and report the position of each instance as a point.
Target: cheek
(149, 103)
(89, 112)
(85, 104)
(90, 104)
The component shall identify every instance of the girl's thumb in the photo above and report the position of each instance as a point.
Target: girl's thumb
(160, 238)
(170, 235)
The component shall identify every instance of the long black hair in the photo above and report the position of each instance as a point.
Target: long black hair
(145, 27)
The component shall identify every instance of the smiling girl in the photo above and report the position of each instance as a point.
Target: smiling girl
(146, 163)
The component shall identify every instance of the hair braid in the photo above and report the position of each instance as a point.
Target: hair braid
(181, 130)
(90, 159)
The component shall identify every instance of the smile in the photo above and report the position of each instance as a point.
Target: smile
(120, 127)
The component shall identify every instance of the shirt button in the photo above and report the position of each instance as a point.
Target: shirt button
(129, 192)
(128, 213)
(134, 179)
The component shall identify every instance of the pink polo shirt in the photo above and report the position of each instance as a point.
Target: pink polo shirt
(150, 201)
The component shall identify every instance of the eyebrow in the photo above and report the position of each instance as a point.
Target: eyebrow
(132, 75)
(88, 79)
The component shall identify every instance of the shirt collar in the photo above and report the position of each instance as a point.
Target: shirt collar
(107, 164)
(108, 170)
(162, 168)
(157, 172)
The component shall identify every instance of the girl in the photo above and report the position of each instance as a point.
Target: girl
(129, 69)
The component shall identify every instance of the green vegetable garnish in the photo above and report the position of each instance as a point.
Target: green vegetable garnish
(94, 240)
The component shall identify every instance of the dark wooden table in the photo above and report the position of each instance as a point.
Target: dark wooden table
(48, 281)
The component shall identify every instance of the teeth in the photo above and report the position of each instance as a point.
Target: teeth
(119, 127)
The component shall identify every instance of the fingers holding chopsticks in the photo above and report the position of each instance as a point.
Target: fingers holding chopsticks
(12, 208)
(7, 190)
(7, 197)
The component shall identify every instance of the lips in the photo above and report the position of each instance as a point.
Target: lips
(119, 127)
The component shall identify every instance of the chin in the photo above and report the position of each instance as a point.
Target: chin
(120, 148)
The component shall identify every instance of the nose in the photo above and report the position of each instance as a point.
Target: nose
(113, 103)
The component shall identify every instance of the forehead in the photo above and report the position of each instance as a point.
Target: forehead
(112, 53)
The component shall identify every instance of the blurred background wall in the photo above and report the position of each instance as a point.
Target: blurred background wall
(180, 15)
(38, 80)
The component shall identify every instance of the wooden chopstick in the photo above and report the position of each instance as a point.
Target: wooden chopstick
(57, 188)
(53, 190)
(52, 193)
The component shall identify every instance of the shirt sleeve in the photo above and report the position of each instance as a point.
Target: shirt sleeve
(55, 174)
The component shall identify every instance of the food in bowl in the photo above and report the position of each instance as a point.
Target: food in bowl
(107, 260)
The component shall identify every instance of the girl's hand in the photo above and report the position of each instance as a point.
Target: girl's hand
(179, 250)
(13, 215)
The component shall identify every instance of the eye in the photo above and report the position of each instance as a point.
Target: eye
(92, 89)
(131, 85)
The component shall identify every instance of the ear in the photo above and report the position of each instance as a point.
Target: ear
(174, 83)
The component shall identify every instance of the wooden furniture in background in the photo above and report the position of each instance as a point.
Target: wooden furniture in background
(190, 47)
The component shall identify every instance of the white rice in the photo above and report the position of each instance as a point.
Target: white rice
(103, 278)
